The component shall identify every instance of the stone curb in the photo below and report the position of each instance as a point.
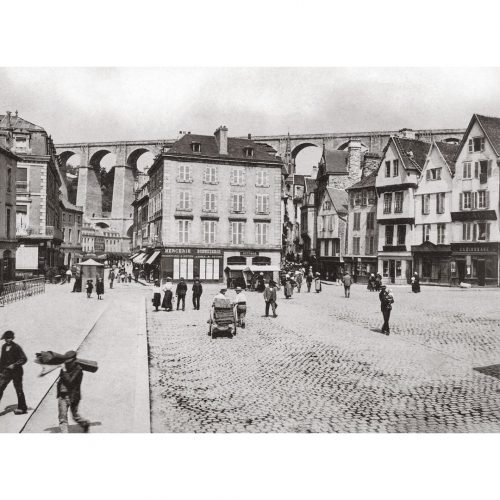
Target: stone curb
(142, 403)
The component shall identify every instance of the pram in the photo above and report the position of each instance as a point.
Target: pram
(223, 318)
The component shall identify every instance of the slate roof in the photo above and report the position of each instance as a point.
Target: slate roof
(418, 148)
(491, 127)
(209, 149)
(339, 199)
(449, 152)
(368, 181)
(16, 122)
(336, 162)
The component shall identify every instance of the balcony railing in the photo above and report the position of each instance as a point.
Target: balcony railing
(18, 290)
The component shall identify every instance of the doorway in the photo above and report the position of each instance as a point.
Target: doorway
(392, 270)
(461, 270)
(481, 272)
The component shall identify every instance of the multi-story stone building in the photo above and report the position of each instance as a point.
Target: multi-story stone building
(362, 229)
(331, 228)
(38, 181)
(475, 205)
(8, 242)
(396, 183)
(140, 236)
(218, 201)
(308, 220)
(112, 241)
(431, 247)
(88, 236)
(72, 226)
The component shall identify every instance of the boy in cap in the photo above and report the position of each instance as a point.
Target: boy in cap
(386, 300)
(68, 393)
(12, 360)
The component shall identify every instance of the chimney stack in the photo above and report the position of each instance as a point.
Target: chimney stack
(354, 159)
(221, 138)
(8, 113)
(250, 137)
(314, 173)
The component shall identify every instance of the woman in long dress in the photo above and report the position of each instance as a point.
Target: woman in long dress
(167, 297)
(156, 295)
(99, 288)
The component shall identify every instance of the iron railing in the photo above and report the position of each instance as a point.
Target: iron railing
(18, 290)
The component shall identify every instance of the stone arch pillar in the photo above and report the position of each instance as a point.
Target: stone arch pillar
(88, 193)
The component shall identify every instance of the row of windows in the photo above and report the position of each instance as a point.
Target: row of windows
(394, 170)
(481, 170)
(441, 233)
(185, 202)
(426, 203)
(401, 235)
(237, 232)
(363, 198)
(326, 223)
(69, 233)
(370, 221)
(398, 202)
(369, 245)
(211, 176)
(474, 199)
(329, 248)
(71, 218)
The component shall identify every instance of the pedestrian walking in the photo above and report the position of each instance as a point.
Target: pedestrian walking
(69, 393)
(347, 280)
(317, 283)
(77, 286)
(241, 306)
(168, 294)
(181, 291)
(12, 359)
(99, 288)
(197, 291)
(111, 278)
(136, 274)
(378, 282)
(309, 280)
(156, 299)
(415, 283)
(288, 288)
(298, 280)
(371, 283)
(69, 275)
(386, 301)
(89, 287)
(270, 298)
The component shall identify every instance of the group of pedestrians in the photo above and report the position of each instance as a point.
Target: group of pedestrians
(12, 359)
(165, 302)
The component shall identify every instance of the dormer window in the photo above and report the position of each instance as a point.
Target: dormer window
(196, 147)
(476, 144)
(21, 143)
(248, 152)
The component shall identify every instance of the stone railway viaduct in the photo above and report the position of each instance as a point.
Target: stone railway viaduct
(127, 154)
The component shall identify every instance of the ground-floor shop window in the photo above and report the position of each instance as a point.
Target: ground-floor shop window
(385, 269)
(488, 263)
(183, 268)
(209, 269)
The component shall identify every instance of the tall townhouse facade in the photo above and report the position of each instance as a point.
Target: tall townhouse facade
(72, 225)
(331, 228)
(220, 200)
(140, 236)
(475, 205)
(308, 220)
(431, 247)
(38, 182)
(362, 229)
(88, 237)
(396, 183)
(294, 194)
(8, 242)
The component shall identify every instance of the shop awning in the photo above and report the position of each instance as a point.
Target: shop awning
(139, 257)
(153, 257)
(134, 255)
(237, 267)
(262, 269)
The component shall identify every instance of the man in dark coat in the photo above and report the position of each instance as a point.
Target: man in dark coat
(309, 280)
(12, 360)
(69, 393)
(181, 291)
(347, 280)
(260, 283)
(386, 301)
(270, 298)
(197, 291)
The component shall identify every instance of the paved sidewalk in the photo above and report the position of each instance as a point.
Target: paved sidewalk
(116, 397)
(57, 320)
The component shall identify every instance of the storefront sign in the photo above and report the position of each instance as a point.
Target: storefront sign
(194, 252)
(474, 247)
(249, 253)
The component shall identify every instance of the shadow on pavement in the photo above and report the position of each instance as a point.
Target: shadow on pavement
(492, 370)
(8, 409)
(73, 428)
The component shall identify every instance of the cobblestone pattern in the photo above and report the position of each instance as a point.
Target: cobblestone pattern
(321, 366)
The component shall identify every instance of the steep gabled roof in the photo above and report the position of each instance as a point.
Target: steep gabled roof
(412, 151)
(16, 122)
(449, 153)
(335, 162)
(339, 199)
(491, 128)
(236, 149)
(368, 181)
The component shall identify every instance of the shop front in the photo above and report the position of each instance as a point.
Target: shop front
(474, 263)
(189, 263)
(243, 267)
(432, 263)
(360, 268)
(330, 268)
(396, 269)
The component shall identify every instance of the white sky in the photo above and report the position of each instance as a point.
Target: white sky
(96, 104)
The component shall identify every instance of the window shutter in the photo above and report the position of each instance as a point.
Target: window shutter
(476, 169)
(474, 200)
(461, 201)
(215, 202)
(428, 174)
(266, 204)
(490, 168)
(232, 176)
(474, 232)
(423, 233)
(470, 145)
(464, 231)
(488, 231)
(486, 199)
(242, 203)
(243, 177)
(233, 203)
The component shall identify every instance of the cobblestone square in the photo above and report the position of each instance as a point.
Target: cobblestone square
(324, 366)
